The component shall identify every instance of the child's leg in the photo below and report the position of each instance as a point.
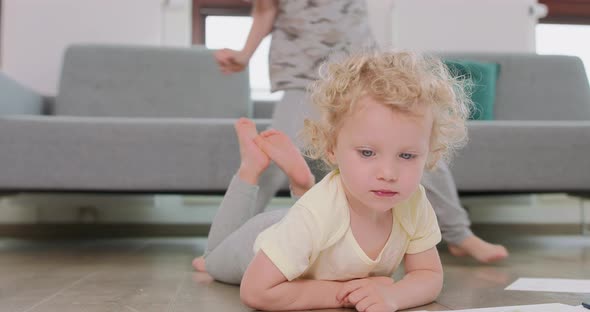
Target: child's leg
(238, 204)
(229, 260)
(442, 193)
(287, 156)
(288, 117)
(453, 219)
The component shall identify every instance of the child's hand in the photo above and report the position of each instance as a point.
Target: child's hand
(230, 61)
(367, 294)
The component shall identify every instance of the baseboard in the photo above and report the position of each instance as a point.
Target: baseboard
(483, 229)
(113, 230)
(129, 230)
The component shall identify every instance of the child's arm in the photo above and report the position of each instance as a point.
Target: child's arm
(421, 285)
(264, 287)
(263, 13)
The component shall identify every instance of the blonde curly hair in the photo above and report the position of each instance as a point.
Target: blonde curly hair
(401, 80)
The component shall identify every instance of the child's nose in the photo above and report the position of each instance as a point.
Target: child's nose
(389, 171)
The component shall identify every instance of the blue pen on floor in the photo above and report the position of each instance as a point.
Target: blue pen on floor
(586, 304)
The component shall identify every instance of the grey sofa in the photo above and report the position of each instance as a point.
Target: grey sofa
(125, 119)
(160, 120)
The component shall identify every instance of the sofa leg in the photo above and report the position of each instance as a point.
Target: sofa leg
(584, 224)
(583, 197)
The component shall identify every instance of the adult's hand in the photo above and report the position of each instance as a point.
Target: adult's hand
(231, 61)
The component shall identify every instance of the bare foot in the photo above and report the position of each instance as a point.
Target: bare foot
(199, 264)
(202, 278)
(254, 160)
(287, 156)
(479, 249)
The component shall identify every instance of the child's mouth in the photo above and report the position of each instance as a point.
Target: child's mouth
(384, 193)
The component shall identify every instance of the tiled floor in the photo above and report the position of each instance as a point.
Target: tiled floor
(155, 275)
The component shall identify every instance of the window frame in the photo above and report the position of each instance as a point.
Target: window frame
(576, 12)
(203, 8)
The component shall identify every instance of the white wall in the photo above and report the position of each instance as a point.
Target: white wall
(456, 25)
(380, 20)
(177, 23)
(35, 32)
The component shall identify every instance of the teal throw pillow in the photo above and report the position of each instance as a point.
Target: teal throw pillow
(483, 92)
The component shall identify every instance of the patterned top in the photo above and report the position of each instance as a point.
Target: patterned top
(307, 32)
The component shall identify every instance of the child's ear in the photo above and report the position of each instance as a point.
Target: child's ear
(331, 157)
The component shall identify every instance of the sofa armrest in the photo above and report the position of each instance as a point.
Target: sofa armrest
(16, 99)
(524, 156)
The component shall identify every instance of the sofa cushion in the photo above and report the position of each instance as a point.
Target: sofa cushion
(15, 99)
(149, 81)
(55, 153)
(483, 78)
(524, 156)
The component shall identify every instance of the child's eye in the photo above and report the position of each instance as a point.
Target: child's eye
(367, 153)
(407, 156)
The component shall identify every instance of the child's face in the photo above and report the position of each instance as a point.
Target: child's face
(381, 154)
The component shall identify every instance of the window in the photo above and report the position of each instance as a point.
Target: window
(231, 32)
(564, 39)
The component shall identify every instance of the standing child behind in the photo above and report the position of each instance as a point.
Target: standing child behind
(385, 117)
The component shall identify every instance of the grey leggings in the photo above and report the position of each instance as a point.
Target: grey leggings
(240, 217)
(441, 191)
(234, 230)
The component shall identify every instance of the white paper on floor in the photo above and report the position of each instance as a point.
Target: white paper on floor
(549, 307)
(551, 284)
